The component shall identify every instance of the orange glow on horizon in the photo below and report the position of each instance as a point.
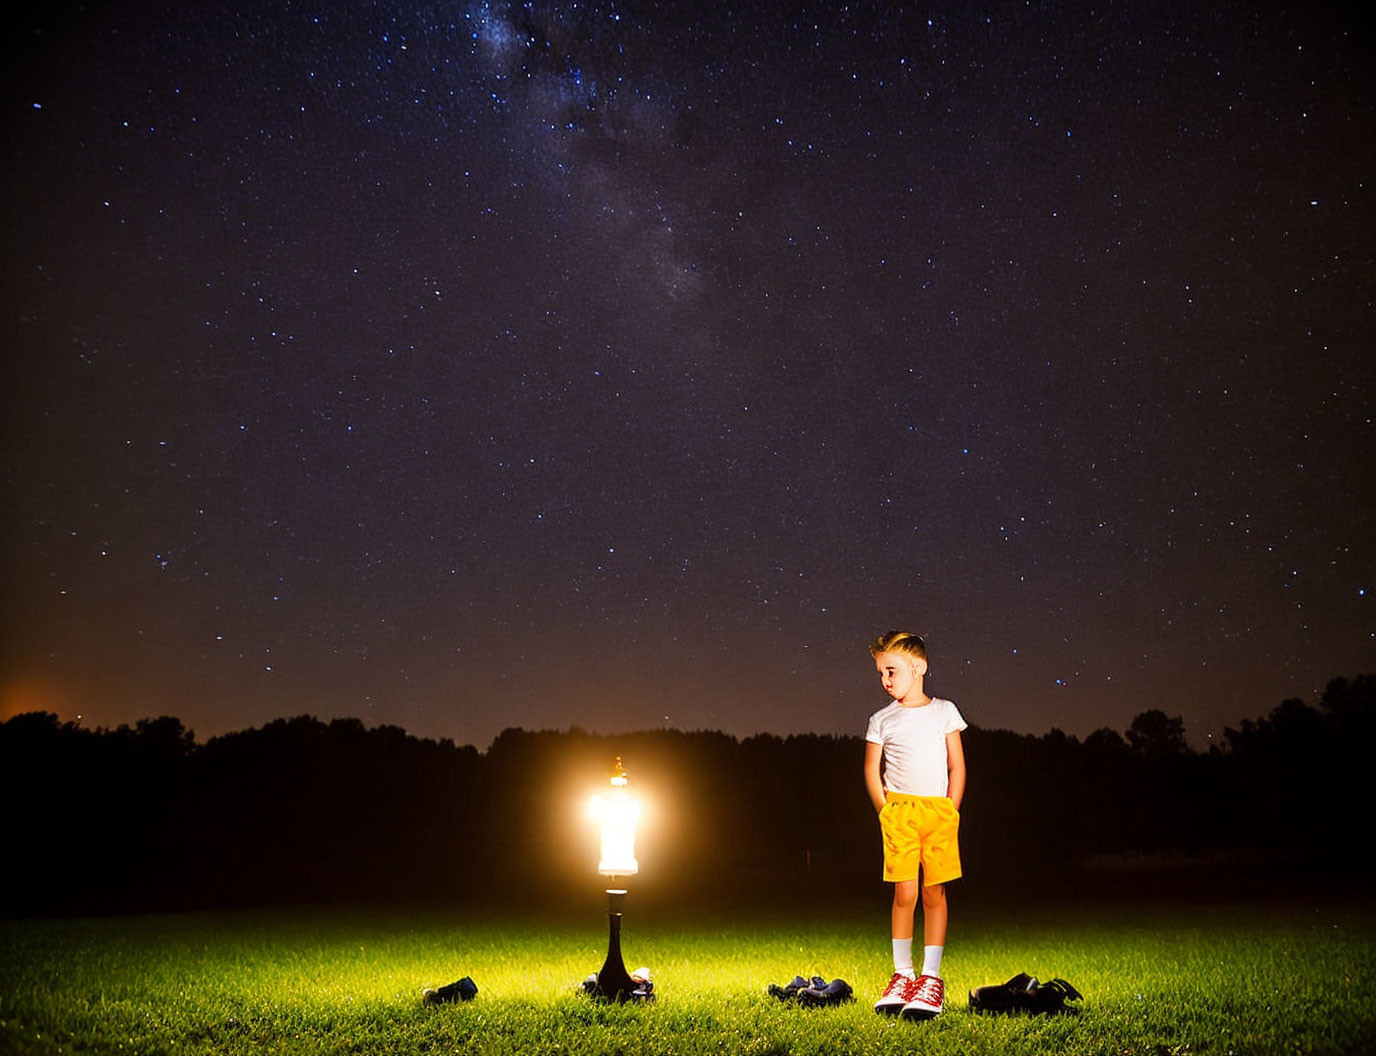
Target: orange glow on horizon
(22, 695)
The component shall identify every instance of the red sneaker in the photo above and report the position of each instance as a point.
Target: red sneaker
(926, 1000)
(896, 995)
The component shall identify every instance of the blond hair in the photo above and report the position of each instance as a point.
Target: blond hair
(899, 642)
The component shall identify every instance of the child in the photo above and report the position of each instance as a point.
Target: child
(915, 775)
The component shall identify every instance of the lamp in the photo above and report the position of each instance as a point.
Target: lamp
(618, 812)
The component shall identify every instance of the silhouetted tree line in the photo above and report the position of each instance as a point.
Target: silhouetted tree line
(300, 810)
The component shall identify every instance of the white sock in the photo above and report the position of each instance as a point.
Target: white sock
(931, 960)
(903, 957)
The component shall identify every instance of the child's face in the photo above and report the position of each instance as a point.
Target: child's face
(901, 674)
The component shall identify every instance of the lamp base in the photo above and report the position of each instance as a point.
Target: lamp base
(613, 982)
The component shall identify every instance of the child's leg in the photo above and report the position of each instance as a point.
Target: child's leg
(933, 928)
(933, 914)
(927, 996)
(903, 912)
(903, 984)
(904, 909)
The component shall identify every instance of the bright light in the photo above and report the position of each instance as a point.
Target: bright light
(618, 812)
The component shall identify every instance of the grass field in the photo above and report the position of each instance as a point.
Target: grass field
(1240, 979)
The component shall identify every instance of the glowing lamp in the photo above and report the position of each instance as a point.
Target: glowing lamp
(618, 813)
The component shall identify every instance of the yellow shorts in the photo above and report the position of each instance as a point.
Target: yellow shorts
(920, 830)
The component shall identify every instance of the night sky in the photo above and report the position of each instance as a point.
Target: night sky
(470, 365)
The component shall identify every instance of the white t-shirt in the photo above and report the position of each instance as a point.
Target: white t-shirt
(914, 741)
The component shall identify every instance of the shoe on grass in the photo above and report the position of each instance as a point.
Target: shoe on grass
(790, 991)
(1004, 997)
(836, 992)
(898, 993)
(464, 990)
(1023, 993)
(1050, 998)
(926, 1001)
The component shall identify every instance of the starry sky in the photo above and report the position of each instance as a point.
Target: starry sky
(465, 365)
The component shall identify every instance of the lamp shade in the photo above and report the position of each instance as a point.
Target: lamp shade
(618, 811)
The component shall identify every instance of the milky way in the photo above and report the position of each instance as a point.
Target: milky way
(482, 365)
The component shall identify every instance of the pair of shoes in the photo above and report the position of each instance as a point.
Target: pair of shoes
(920, 998)
(464, 990)
(813, 993)
(1023, 993)
(836, 992)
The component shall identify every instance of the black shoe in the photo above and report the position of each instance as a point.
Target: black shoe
(1003, 997)
(789, 992)
(836, 992)
(1023, 993)
(464, 990)
(1050, 998)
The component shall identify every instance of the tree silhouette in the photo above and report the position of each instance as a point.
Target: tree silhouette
(1154, 735)
(301, 810)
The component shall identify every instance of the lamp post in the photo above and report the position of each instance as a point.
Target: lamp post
(618, 812)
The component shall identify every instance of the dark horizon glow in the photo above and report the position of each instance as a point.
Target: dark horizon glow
(629, 366)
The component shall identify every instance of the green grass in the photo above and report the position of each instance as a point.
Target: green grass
(1230, 979)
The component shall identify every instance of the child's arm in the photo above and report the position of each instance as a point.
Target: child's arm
(955, 768)
(874, 785)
